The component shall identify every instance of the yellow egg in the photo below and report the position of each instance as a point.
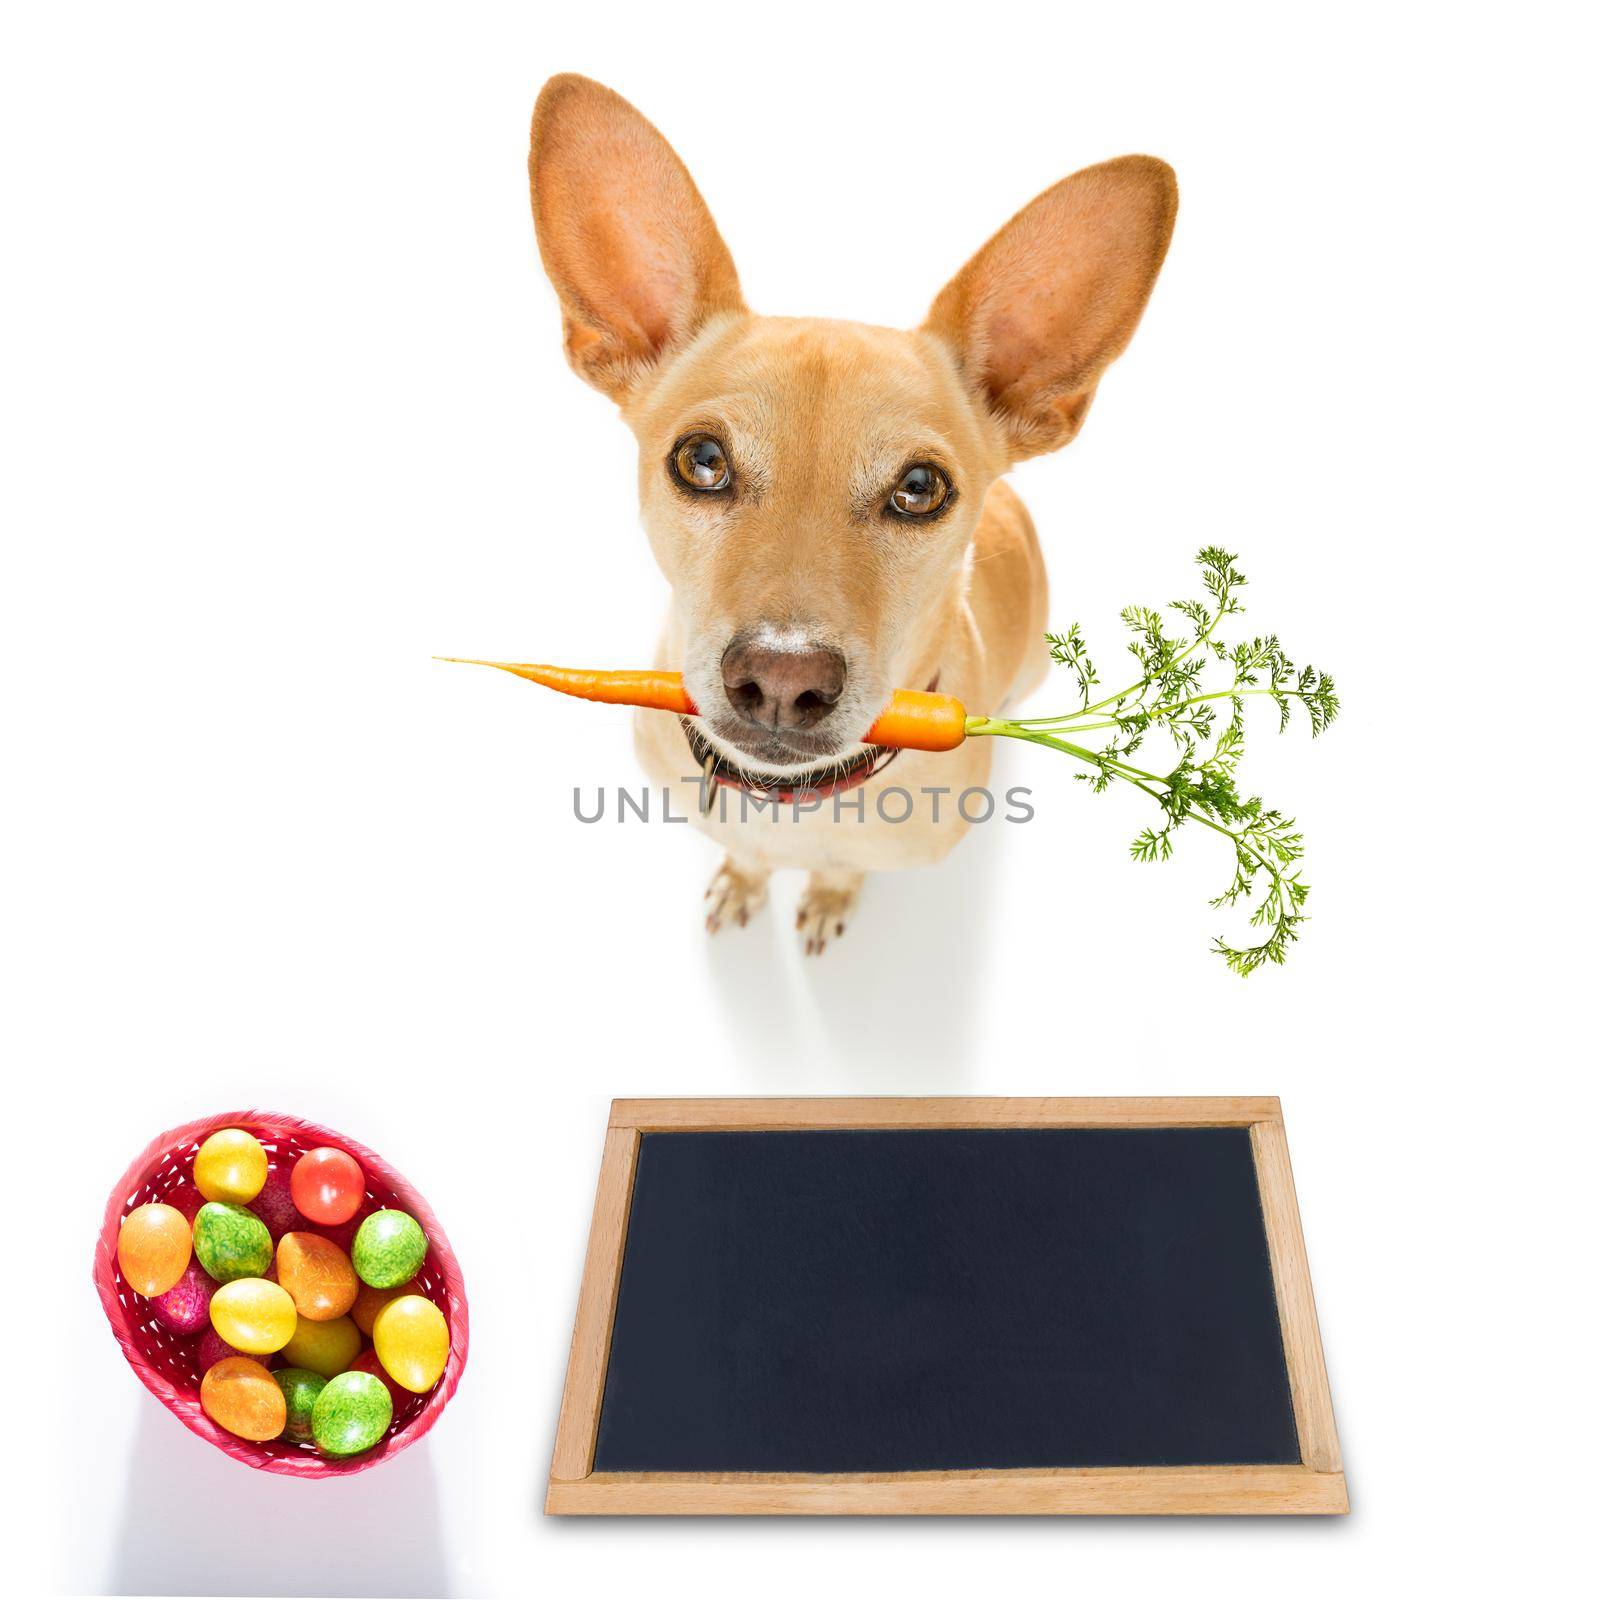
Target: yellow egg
(230, 1165)
(325, 1348)
(253, 1315)
(412, 1342)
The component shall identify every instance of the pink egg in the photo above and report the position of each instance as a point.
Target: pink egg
(185, 1308)
(211, 1348)
(274, 1205)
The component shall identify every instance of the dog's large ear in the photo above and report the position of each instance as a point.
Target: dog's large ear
(635, 258)
(1052, 300)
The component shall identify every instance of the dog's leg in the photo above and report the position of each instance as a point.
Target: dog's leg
(826, 906)
(737, 891)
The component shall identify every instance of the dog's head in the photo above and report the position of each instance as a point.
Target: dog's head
(811, 488)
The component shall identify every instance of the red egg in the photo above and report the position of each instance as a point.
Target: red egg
(185, 1198)
(344, 1235)
(275, 1204)
(327, 1185)
(368, 1361)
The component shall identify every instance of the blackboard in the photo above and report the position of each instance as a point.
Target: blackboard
(886, 1300)
(882, 1303)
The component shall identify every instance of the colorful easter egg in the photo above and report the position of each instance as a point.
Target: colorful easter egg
(230, 1165)
(300, 1391)
(275, 1205)
(351, 1414)
(254, 1316)
(370, 1301)
(211, 1347)
(328, 1185)
(153, 1248)
(186, 1307)
(344, 1233)
(325, 1348)
(388, 1249)
(185, 1198)
(412, 1342)
(368, 1361)
(241, 1395)
(231, 1242)
(317, 1274)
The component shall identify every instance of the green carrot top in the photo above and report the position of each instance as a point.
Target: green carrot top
(1172, 695)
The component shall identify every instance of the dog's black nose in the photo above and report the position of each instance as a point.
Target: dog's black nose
(779, 686)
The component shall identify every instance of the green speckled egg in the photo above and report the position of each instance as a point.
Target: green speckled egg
(351, 1414)
(300, 1391)
(231, 1241)
(388, 1249)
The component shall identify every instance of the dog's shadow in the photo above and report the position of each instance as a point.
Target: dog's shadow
(892, 1006)
(194, 1522)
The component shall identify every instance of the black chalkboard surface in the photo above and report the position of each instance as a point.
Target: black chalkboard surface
(980, 1305)
(927, 1300)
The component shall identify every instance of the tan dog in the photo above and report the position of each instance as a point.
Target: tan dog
(825, 497)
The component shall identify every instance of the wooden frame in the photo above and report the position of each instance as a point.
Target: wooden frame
(1316, 1485)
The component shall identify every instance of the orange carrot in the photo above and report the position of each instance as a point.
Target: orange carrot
(914, 720)
(656, 691)
(911, 721)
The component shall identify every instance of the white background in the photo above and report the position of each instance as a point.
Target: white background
(285, 414)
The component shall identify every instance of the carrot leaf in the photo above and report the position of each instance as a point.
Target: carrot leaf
(1176, 647)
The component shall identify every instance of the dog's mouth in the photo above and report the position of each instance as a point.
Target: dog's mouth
(816, 781)
(795, 779)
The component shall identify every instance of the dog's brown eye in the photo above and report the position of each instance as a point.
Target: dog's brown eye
(700, 462)
(920, 493)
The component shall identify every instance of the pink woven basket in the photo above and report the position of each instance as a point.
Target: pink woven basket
(166, 1363)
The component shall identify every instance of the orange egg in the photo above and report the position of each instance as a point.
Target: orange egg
(242, 1396)
(153, 1248)
(318, 1276)
(370, 1301)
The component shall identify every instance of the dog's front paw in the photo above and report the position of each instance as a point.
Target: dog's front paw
(826, 906)
(736, 893)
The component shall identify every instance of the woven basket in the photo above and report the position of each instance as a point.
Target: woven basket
(166, 1363)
